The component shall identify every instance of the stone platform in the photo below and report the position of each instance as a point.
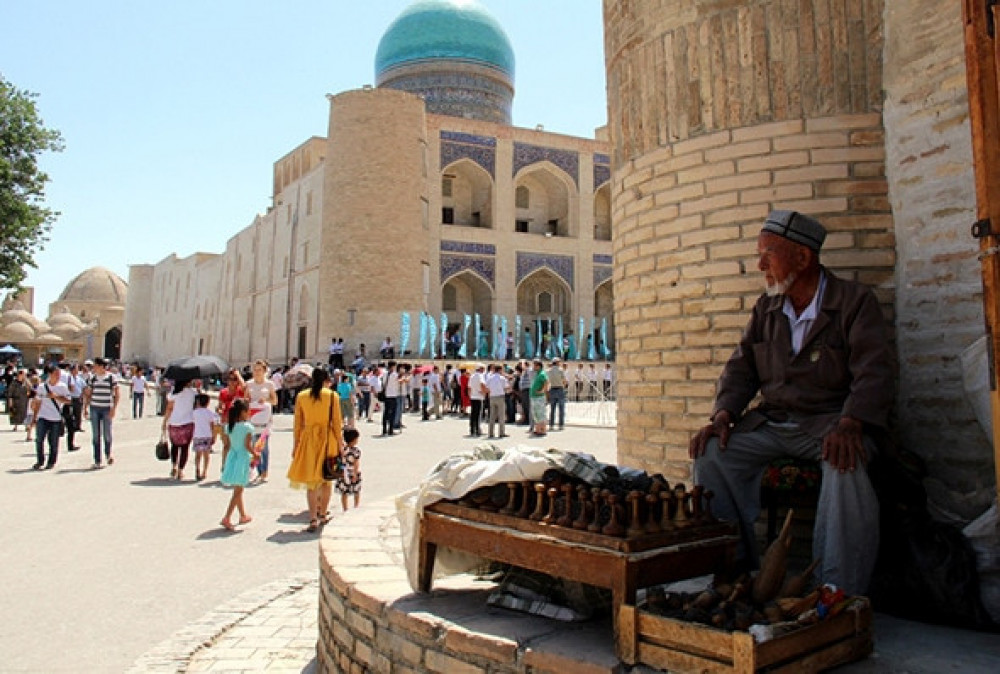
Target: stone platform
(370, 619)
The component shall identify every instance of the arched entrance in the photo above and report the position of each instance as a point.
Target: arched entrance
(466, 293)
(602, 213)
(542, 299)
(113, 343)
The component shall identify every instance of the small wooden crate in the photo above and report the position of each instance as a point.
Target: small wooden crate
(680, 646)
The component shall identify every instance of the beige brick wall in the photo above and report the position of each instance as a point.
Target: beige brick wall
(689, 199)
(933, 197)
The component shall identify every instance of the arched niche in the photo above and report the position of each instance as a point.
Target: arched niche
(466, 293)
(604, 308)
(602, 213)
(466, 195)
(546, 191)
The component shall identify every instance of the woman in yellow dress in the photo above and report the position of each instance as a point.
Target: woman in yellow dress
(318, 433)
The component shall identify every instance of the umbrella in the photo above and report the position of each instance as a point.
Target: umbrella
(470, 365)
(297, 376)
(5, 350)
(423, 369)
(195, 367)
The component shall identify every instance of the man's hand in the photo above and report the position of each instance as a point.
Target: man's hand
(844, 447)
(720, 427)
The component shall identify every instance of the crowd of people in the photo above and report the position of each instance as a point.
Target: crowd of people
(327, 405)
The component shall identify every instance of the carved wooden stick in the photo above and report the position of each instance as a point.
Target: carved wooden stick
(666, 499)
(583, 498)
(697, 513)
(526, 492)
(567, 517)
(614, 527)
(681, 514)
(635, 527)
(597, 497)
(539, 502)
(550, 517)
(512, 489)
(652, 524)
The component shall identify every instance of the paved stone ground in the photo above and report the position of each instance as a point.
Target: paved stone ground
(99, 567)
(105, 565)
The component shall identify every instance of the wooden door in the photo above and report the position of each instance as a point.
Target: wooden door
(982, 55)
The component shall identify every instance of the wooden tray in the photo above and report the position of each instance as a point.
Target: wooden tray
(680, 646)
(688, 534)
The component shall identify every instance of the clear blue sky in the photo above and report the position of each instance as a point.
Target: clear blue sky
(173, 112)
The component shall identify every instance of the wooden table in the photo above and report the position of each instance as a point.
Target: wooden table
(623, 565)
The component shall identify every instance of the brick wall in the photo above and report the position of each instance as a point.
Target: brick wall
(787, 120)
(933, 198)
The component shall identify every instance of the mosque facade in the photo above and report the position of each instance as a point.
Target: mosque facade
(421, 197)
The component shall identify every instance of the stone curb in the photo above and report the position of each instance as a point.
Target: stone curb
(176, 653)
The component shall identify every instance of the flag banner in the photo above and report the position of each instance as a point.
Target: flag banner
(431, 336)
(591, 351)
(444, 333)
(422, 341)
(503, 333)
(404, 333)
(529, 348)
(538, 338)
(462, 350)
(477, 337)
(605, 349)
(560, 350)
(581, 336)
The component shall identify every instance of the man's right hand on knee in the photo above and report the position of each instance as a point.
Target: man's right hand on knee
(720, 428)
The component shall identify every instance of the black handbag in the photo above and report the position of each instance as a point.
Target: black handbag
(333, 466)
(163, 448)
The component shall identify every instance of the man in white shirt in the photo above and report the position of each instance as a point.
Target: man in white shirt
(391, 388)
(434, 382)
(51, 396)
(477, 394)
(496, 384)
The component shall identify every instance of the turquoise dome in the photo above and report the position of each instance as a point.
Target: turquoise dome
(445, 29)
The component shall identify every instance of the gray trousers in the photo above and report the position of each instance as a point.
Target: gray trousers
(498, 412)
(846, 533)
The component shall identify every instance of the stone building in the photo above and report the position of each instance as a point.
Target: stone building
(421, 197)
(85, 321)
(855, 112)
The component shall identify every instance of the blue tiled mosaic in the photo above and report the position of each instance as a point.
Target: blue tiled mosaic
(603, 259)
(468, 247)
(568, 161)
(468, 138)
(601, 274)
(602, 159)
(561, 265)
(602, 174)
(484, 156)
(484, 267)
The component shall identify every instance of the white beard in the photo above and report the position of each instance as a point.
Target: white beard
(781, 287)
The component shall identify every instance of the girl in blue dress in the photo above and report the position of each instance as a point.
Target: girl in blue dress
(236, 471)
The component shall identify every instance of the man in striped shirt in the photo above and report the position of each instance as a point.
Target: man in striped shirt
(100, 403)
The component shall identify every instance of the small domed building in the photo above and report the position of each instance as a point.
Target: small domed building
(85, 321)
(420, 197)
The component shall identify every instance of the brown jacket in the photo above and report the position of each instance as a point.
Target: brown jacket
(843, 369)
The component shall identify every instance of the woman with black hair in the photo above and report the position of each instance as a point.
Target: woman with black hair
(178, 422)
(318, 433)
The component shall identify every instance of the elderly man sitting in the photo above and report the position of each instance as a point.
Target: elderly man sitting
(816, 350)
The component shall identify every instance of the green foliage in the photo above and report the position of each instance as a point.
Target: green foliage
(24, 221)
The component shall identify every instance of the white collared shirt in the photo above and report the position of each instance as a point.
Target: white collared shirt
(800, 324)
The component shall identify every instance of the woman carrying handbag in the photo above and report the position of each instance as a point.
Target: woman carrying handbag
(318, 434)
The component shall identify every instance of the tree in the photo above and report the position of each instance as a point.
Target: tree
(24, 220)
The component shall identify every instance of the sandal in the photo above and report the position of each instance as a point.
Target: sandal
(227, 525)
(325, 519)
(313, 525)
(246, 520)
